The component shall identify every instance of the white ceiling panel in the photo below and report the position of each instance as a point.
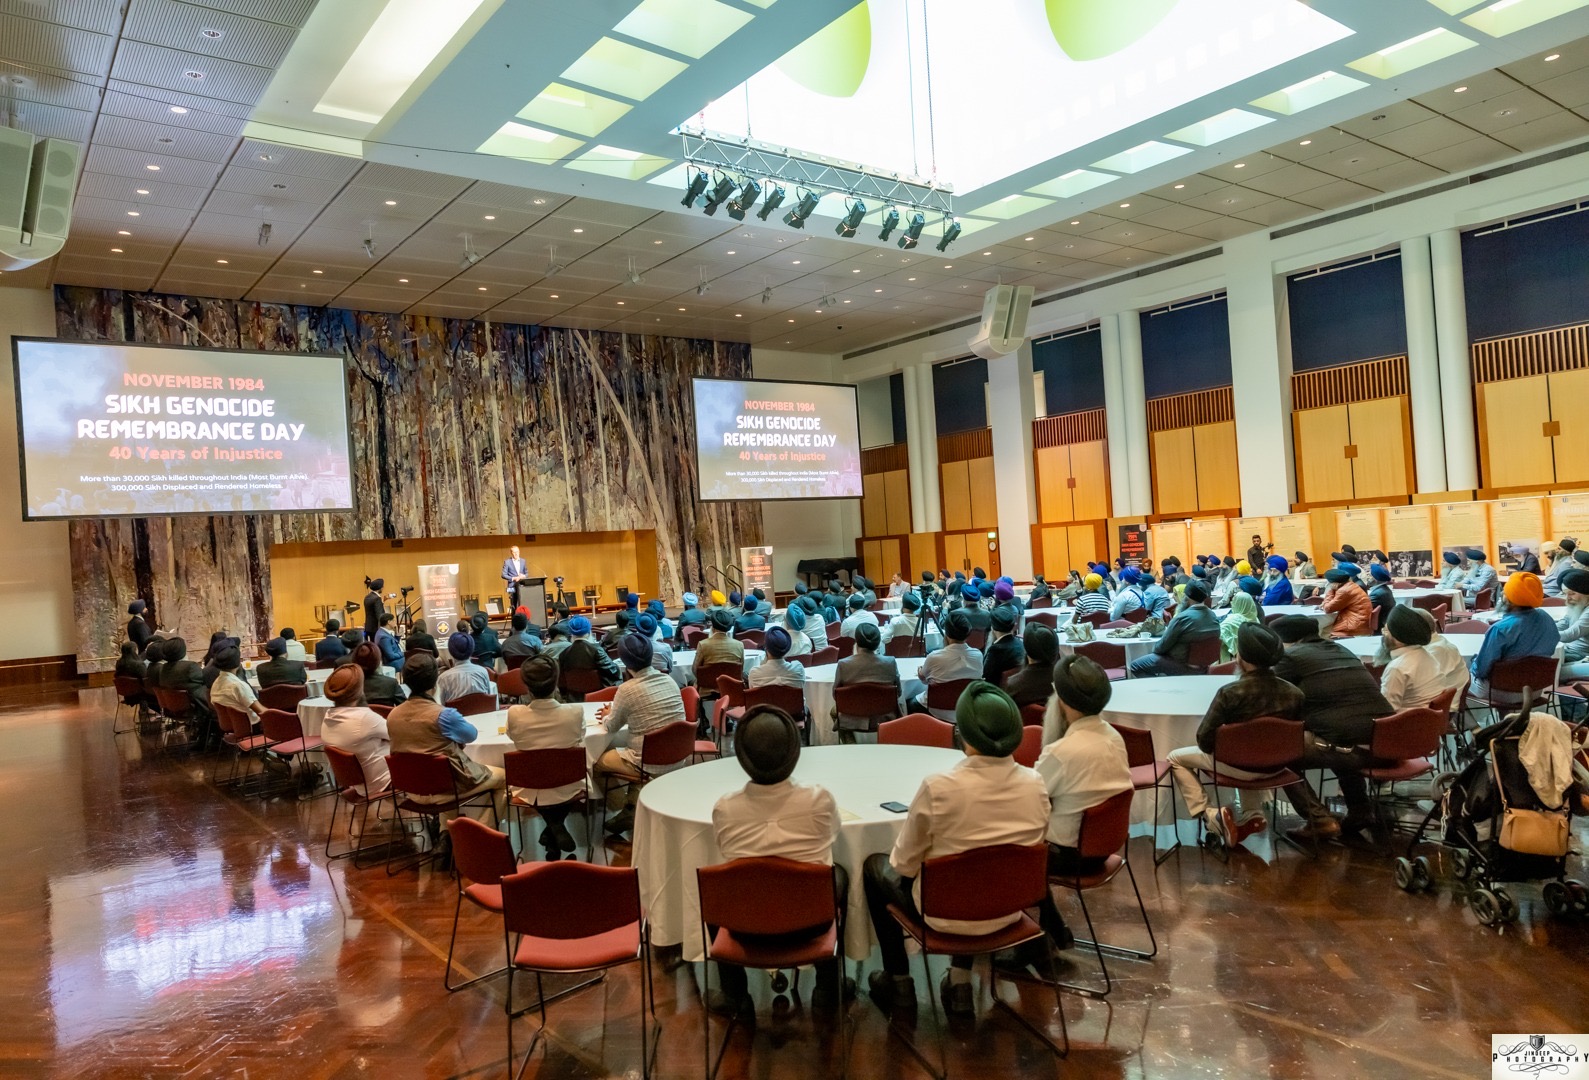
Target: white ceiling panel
(168, 69)
(209, 31)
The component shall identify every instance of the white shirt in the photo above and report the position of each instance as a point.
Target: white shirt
(361, 731)
(799, 643)
(786, 819)
(233, 692)
(464, 677)
(774, 672)
(1448, 660)
(854, 619)
(900, 626)
(647, 701)
(295, 650)
(954, 661)
(980, 802)
(1412, 678)
(544, 724)
(898, 588)
(1081, 769)
(817, 631)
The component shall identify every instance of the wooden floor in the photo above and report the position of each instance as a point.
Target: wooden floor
(151, 926)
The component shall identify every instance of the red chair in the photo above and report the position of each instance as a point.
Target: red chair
(791, 699)
(237, 731)
(833, 629)
(1430, 601)
(944, 696)
(283, 732)
(129, 693)
(382, 710)
(980, 886)
(284, 696)
(475, 704)
(1466, 626)
(1149, 772)
(1267, 746)
(916, 729)
(482, 856)
(1534, 676)
(753, 639)
(691, 697)
(822, 657)
(1229, 667)
(977, 638)
(1105, 828)
(867, 700)
(905, 646)
(1033, 715)
(1484, 599)
(1405, 741)
(1115, 624)
(1107, 655)
(706, 677)
(845, 645)
(1040, 602)
(1136, 615)
(1311, 601)
(1031, 746)
(1049, 619)
(545, 770)
(1203, 652)
(690, 636)
(730, 703)
(428, 776)
(750, 911)
(606, 693)
(1425, 583)
(1097, 618)
(353, 789)
(510, 686)
(575, 683)
(570, 918)
(663, 748)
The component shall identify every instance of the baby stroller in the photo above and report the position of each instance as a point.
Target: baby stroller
(1505, 817)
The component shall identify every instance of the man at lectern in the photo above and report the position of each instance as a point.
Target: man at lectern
(513, 572)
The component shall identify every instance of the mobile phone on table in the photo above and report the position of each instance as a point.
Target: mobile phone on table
(895, 807)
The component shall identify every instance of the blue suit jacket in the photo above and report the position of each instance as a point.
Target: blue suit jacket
(508, 573)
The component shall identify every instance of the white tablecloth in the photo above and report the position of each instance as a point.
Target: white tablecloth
(1366, 647)
(684, 660)
(819, 695)
(312, 714)
(673, 829)
(1136, 648)
(1325, 617)
(1171, 708)
(316, 682)
(494, 743)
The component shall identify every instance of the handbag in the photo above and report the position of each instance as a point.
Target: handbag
(1076, 632)
(1530, 832)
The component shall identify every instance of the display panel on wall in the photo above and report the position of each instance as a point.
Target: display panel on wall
(459, 428)
(119, 430)
(756, 439)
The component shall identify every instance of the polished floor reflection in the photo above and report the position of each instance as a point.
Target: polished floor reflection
(153, 926)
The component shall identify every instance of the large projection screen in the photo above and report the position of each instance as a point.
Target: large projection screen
(116, 430)
(758, 439)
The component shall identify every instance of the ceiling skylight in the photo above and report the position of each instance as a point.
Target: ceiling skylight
(570, 109)
(623, 69)
(1226, 125)
(530, 144)
(399, 46)
(616, 161)
(1415, 52)
(1013, 206)
(1072, 183)
(1309, 92)
(1141, 157)
(690, 27)
(1510, 16)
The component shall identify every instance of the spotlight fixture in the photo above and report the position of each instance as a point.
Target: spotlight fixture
(890, 222)
(807, 206)
(693, 190)
(721, 190)
(951, 233)
(553, 267)
(739, 204)
(852, 219)
(766, 294)
(369, 247)
(264, 233)
(912, 235)
(470, 255)
(705, 286)
(633, 276)
(773, 201)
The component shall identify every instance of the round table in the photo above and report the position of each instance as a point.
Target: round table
(1171, 708)
(819, 695)
(312, 714)
(1368, 647)
(673, 834)
(1325, 617)
(494, 743)
(1136, 648)
(684, 660)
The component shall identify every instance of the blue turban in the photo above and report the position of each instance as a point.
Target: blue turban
(460, 646)
(969, 591)
(1277, 562)
(646, 624)
(1199, 571)
(578, 625)
(635, 651)
(1130, 575)
(1379, 572)
(734, 599)
(632, 600)
(690, 599)
(749, 604)
(795, 617)
(1453, 558)
(778, 643)
(800, 588)
(1250, 584)
(984, 588)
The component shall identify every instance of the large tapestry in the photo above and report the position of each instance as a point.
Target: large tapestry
(460, 428)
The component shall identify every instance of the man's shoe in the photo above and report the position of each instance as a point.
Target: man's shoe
(721, 1004)
(957, 998)
(1323, 829)
(1251, 827)
(823, 996)
(1214, 823)
(892, 992)
(621, 823)
(565, 839)
(1352, 825)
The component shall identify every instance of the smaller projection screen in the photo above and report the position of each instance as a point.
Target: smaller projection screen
(756, 439)
(115, 429)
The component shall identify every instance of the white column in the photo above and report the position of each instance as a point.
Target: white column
(1114, 415)
(1456, 377)
(1423, 366)
(1014, 486)
(1261, 378)
(918, 511)
(1134, 393)
(925, 433)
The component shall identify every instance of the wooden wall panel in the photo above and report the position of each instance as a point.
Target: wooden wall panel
(1089, 464)
(955, 489)
(984, 499)
(1055, 548)
(1512, 416)
(1218, 480)
(1324, 472)
(1174, 472)
(896, 493)
(1054, 501)
(1086, 545)
(882, 558)
(1569, 390)
(924, 554)
(956, 554)
(874, 509)
(1381, 433)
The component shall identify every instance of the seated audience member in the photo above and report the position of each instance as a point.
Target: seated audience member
(583, 654)
(977, 616)
(1381, 598)
(794, 621)
(864, 665)
(180, 673)
(816, 626)
(1004, 652)
(378, 689)
(219, 640)
(1412, 678)
(1560, 563)
(295, 649)
(985, 800)
(155, 655)
(1340, 702)
(773, 816)
(1243, 609)
(719, 646)
(1155, 597)
(897, 586)
(955, 661)
(1253, 588)
(1527, 561)
(1033, 682)
(231, 687)
(130, 665)
(1574, 625)
(749, 618)
(1277, 585)
(646, 701)
(386, 642)
(421, 725)
(556, 639)
(139, 632)
(661, 652)
(330, 648)
(906, 623)
(1092, 597)
(350, 637)
(1224, 587)
(1480, 575)
(520, 644)
(1084, 765)
(857, 614)
(464, 677)
(1128, 597)
(546, 724)
(1451, 577)
(1305, 567)
(1040, 590)
(774, 669)
(1525, 630)
(1004, 596)
(1448, 658)
(659, 613)
(487, 646)
(351, 725)
(1257, 691)
(1345, 599)
(278, 669)
(1193, 623)
(692, 615)
(419, 639)
(763, 605)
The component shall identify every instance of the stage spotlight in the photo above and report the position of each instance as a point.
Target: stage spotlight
(720, 192)
(773, 201)
(851, 220)
(744, 200)
(369, 247)
(807, 206)
(890, 222)
(766, 294)
(951, 233)
(912, 234)
(264, 233)
(696, 186)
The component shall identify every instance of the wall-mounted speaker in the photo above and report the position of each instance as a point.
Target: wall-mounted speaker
(1003, 326)
(37, 181)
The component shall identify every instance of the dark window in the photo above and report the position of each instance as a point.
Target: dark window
(1185, 349)
(1355, 313)
(1072, 368)
(959, 398)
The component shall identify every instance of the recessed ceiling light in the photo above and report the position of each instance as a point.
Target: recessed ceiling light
(797, 262)
(132, 213)
(658, 242)
(481, 288)
(554, 296)
(264, 157)
(152, 168)
(193, 74)
(948, 266)
(1029, 239)
(1460, 90)
(880, 290)
(1506, 112)
(855, 271)
(1229, 202)
(1241, 165)
(736, 253)
(402, 281)
(1125, 206)
(682, 309)
(737, 315)
(221, 261)
(493, 217)
(791, 320)
(1553, 56)
(116, 250)
(910, 279)
(1078, 222)
(1305, 142)
(1178, 187)
(123, 232)
(179, 110)
(846, 301)
(987, 253)
(143, 191)
(538, 202)
(579, 230)
(317, 271)
(391, 202)
(620, 303)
